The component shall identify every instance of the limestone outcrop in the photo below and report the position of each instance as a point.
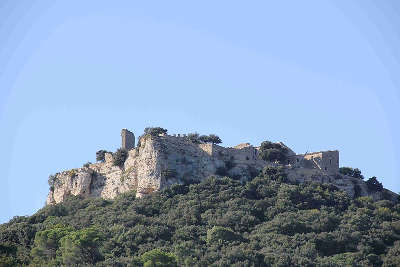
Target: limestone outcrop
(163, 160)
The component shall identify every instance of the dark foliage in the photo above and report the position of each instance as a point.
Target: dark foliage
(357, 190)
(374, 185)
(52, 180)
(155, 131)
(272, 152)
(356, 173)
(193, 137)
(119, 157)
(221, 171)
(87, 164)
(212, 138)
(218, 222)
(100, 155)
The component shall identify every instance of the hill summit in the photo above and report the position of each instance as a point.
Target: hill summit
(160, 160)
(184, 200)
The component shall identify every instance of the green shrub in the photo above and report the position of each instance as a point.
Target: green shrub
(72, 173)
(100, 155)
(357, 189)
(87, 164)
(81, 247)
(221, 171)
(158, 258)
(374, 185)
(52, 180)
(392, 258)
(273, 152)
(219, 233)
(229, 164)
(355, 173)
(119, 157)
(47, 242)
(155, 131)
(193, 137)
(212, 138)
(267, 221)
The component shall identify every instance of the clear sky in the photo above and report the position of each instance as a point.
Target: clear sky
(316, 75)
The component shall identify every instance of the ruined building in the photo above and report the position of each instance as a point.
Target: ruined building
(159, 161)
(327, 161)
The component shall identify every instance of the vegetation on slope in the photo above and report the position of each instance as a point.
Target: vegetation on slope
(273, 152)
(219, 222)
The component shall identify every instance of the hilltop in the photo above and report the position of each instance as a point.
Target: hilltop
(160, 160)
(268, 221)
(184, 200)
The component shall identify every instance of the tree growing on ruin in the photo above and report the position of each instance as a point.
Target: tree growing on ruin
(355, 173)
(193, 137)
(212, 138)
(155, 131)
(273, 152)
(374, 185)
(119, 157)
(100, 155)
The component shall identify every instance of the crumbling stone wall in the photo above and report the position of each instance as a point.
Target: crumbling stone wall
(327, 161)
(208, 148)
(159, 161)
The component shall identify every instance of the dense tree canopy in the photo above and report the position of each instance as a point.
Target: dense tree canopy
(219, 222)
(155, 131)
(193, 137)
(356, 173)
(212, 138)
(273, 152)
(119, 157)
(196, 138)
(374, 185)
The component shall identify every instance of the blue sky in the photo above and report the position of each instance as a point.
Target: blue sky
(316, 75)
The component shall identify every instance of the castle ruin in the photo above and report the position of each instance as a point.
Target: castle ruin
(327, 161)
(128, 139)
(162, 160)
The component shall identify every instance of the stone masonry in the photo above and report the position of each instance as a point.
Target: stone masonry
(327, 161)
(128, 139)
(160, 161)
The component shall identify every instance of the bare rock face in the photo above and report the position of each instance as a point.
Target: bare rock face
(160, 161)
(75, 182)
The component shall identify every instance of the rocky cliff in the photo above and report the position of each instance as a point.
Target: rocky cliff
(159, 161)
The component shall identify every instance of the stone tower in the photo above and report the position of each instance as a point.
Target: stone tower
(128, 139)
